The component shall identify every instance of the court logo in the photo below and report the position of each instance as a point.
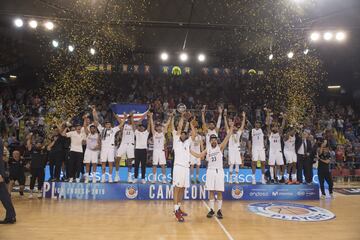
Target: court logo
(237, 192)
(291, 211)
(131, 192)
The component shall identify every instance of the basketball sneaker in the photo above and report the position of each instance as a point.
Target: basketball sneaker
(179, 216)
(117, 178)
(237, 180)
(263, 181)
(253, 181)
(230, 181)
(71, 180)
(184, 214)
(31, 195)
(86, 179)
(143, 181)
(210, 214)
(164, 181)
(39, 194)
(103, 178)
(219, 214)
(129, 178)
(134, 180)
(77, 180)
(94, 179)
(323, 196)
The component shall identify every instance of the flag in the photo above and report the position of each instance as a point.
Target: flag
(139, 110)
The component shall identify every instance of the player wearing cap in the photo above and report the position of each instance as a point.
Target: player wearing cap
(257, 150)
(215, 171)
(210, 128)
(181, 173)
(234, 146)
(107, 136)
(275, 148)
(127, 145)
(158, 132)
(91, 152)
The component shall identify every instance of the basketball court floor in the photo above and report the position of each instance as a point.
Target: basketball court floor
(76, 219)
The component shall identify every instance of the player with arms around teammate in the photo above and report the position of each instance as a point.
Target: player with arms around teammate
(215, 170)
(234, 146)
(91, 152)
(257, 150)
(275, 149)
(158, 132)
(181, 172)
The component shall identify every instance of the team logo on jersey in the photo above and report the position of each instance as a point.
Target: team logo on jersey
(237, 192)
(291, 211)
(131, 192)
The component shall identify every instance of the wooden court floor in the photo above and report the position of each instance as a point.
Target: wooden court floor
(74, 219)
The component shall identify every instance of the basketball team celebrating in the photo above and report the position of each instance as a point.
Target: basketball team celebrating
(189, 149)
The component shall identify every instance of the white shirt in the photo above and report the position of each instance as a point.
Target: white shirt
(275, 142)
(182, 152)
(301, 150)
(196, 143)
(234, 141)
(76, 141)
(290, 144)
(92, 141)
(159, 141)
(108, 136)
(208, 134)
(257, 138)
(214, 157)
(141, 139)
(128, 134)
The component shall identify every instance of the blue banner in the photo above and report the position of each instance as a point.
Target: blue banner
(124, 191)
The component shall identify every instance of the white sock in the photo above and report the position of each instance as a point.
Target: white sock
(262, 176)
(219, 202)
(197, 176)
(293, 176)
(237, 168)
(212, 204)
(271, 173)
(154, 177)
(192, 176)
(176, 207)
(286, 176)
(253, 176)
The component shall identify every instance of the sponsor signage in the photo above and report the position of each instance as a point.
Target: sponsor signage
(124, 191)
(291, 211)
(348, 191)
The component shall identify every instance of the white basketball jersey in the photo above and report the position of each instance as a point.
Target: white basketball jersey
(290, 144)
(234, 141)
(92, 141)
(257, 137)
(159, 141)
(275, 142)
(182, 152)
(208, 134)
(128, 135)
(214, 157)
(107, 136)
(195, 144)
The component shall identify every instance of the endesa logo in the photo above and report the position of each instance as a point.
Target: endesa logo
(259, 194)
(237, 192)
(291, 211)
(131, 192)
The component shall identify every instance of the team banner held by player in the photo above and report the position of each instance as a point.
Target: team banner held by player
(139, 110)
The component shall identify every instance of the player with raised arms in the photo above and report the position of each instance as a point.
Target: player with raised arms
(257, 150)
(210, 128)
(215, 171)
(290, 155)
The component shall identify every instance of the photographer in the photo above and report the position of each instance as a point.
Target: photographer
(17, 171)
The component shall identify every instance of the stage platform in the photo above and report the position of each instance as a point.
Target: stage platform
(138, 191)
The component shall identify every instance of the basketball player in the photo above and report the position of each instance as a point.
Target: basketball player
(158, 131)
(91, 152)
(210, 128)
(275, 148)
(196, 145)
(215, 171)
(107, 135)
(127, 147)
(257, 150)
(290, 155)
(181, 178)
(234, 146)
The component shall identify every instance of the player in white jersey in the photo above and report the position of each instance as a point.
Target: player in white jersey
(234, 146)
(215, 171)
(257, 150)
(210, 128)
(196, 145)
(158, 131)
(275, 148)
(92, 150)
(290, 156)
(107, 136)
(181, 173)
(127, 147)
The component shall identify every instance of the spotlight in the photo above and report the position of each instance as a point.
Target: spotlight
(92, 51)
(164, 56)
(334, 87)
(340, 36)
(183, 57)
(33, 24)
(71, 48)
(55, 43)
(18, 22)
(271, 56)
(290, 55)
(201, 57)
(306, 51)
(13, 77)
(328, 36)
(315, 36)
(49, 25)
